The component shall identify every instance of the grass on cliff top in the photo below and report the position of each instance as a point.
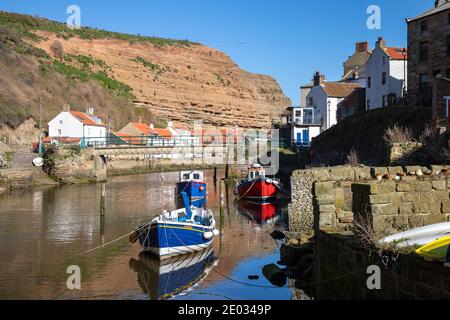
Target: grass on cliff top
(25, 24)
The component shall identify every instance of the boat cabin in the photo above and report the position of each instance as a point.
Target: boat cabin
(186, 176)
(256, 171)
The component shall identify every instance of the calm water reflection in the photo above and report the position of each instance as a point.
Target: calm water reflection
(40, 229)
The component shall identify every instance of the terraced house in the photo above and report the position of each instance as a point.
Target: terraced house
(429, 59)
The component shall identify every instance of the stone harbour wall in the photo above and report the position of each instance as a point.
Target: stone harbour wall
(328, 198)
(390, 206)
(303, 190)
(401, 153)
(72, 166)
(340, 272)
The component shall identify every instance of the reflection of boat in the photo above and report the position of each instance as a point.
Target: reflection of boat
(260, 212)
(162, 280)
(178, 232)
(192, 182)
(419, 236)
(257, 186)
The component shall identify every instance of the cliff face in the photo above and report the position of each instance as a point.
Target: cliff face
(184, 83)
(125, 77)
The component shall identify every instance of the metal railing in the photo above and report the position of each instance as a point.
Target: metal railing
(150, 141)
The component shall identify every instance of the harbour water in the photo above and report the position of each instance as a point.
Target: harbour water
(42, 229)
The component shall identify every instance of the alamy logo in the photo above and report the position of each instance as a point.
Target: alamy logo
(374, 20)
(374, 280)
(74, 280)
(74, 20)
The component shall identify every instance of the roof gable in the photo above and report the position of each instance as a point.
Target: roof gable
(436, 9)
(395, 53)
(86, 119)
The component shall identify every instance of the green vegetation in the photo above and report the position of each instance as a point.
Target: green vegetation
(8, 156)
(25, 24)
(146, 114)
(73, 73)
(87, 62)
(146, 63)
(222, 80)
(152, 66)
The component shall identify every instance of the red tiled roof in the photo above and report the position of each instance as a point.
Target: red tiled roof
(395, 53)
(163, 133)
(86, 119)
(144, 128)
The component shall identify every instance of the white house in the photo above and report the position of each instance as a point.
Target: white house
(78, 125)
(182, 136)
(305, 125)
(325, 97)
(386, 71)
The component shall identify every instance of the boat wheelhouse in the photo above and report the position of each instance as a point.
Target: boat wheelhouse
(193, 184)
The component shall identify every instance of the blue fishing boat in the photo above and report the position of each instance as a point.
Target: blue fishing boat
(166, 279)
(178, 232)
(193, 184)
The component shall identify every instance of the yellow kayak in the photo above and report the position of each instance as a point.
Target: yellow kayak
(438, 250)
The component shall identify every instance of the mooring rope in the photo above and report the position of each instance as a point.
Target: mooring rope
(111, 242)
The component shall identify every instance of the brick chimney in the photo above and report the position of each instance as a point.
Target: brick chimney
(318, 78)
(362, 46)
(381, 42)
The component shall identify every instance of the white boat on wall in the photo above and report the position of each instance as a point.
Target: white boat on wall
(419, 236)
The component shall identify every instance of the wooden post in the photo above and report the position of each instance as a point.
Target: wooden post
(103, 201)
(227, 170)
(221, 188)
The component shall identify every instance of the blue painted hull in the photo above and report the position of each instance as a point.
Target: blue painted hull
(170, 239)
(193, 189)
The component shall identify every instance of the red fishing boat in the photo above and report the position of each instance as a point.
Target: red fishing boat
(257, 186)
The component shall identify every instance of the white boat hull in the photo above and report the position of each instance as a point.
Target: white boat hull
(419, 236)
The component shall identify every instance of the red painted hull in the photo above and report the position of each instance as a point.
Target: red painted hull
(259, 190)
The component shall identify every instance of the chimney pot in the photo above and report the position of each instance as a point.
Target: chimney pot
(318, 78)
(381, 42)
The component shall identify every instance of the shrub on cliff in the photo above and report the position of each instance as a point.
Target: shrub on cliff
(57, 49)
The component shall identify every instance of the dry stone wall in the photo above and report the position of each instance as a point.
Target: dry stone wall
(329, 198)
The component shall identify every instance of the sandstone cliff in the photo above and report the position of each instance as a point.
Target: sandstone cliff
(172, 80)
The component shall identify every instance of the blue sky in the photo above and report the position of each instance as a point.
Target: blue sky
(286, 39)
